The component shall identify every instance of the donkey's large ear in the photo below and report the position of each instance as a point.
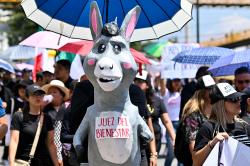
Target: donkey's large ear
(129, 23)
(95, 21)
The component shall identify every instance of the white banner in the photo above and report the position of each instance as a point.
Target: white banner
(171, 69)
(234, 153)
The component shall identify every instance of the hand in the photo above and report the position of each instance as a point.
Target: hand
(219, 137)
(153, 161)
(173, 143)
(79, 149)
(60, 162)
(4, 104)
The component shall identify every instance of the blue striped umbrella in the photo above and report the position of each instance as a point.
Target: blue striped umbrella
(202, 55)
(71, 17)
(226, 65)
(6, 66)
(19, 53)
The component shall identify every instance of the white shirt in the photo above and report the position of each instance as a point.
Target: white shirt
(172, 102)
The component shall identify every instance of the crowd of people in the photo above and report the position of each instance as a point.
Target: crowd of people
(196, 114)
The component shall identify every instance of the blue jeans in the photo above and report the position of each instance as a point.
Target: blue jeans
(170, 155)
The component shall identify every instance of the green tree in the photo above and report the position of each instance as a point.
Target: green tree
(20, 27)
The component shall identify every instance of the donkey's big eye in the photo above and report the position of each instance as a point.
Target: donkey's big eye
(101, 48)
(117, 48)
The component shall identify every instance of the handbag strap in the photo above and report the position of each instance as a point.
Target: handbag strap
(38, 131)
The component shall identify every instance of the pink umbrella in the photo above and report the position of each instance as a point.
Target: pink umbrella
(83, 47)
(46, 39)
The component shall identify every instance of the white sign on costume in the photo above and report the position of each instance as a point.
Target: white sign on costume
(234, 153)
(171, 69)
(113, 130)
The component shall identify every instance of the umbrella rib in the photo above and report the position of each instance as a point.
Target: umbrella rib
(36, 8)
(56, 13)
(78, 17)
(122, 9)
(147, 18)
(165, 13)
(180, 6)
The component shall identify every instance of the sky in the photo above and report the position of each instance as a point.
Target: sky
(215, 22)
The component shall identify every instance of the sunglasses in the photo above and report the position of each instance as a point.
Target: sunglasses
(234, 100)
(243, 81)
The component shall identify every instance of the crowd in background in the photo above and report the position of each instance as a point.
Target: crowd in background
(190, 110)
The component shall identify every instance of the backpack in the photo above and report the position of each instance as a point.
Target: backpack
(181, 150)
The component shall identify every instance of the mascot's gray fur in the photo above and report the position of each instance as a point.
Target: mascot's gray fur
(113, 125)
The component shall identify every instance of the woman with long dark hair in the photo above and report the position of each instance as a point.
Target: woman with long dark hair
(23, 130)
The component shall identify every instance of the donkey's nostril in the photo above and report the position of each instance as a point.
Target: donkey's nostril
(111, 67)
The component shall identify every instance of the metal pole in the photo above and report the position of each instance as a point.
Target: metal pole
(197, 22)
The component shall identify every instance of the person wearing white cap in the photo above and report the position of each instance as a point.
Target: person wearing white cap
(59, 94)
(223, 122)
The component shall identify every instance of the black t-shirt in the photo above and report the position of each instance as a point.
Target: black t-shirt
(237, 130)
(27, 124)
(156, 111)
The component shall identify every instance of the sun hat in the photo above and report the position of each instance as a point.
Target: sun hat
(224, 91)
(58, 84)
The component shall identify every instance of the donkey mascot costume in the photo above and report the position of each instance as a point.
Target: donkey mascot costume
(113, 125)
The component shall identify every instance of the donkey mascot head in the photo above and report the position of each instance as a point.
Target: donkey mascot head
(113, 125)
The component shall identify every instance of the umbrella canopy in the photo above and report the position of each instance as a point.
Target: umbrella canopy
(21, 66)
(158, 17)
(226, 65)
(6, 66)
(19, 53)
(155, 49)
(203, 55)
(84, 47)
(46, 39)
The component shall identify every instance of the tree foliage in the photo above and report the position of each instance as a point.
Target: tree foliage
(20, 27)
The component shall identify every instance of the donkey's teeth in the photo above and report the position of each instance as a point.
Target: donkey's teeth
(106, 79)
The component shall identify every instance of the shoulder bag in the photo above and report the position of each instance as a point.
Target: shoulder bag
(19, 162)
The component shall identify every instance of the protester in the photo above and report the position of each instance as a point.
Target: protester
(172, 100)
(7, 80)
(19, 98)
(242, 81)
(245, 105)
(7, 100)
(3, 121)
(157, 110)
(242, 78)
(26, 76)
(39, 79)
(62, 71)
(23, 129)
(59, 93)
(189, 89)
(196, 111)
(47, 76)
(64, 114)
(223, 122)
